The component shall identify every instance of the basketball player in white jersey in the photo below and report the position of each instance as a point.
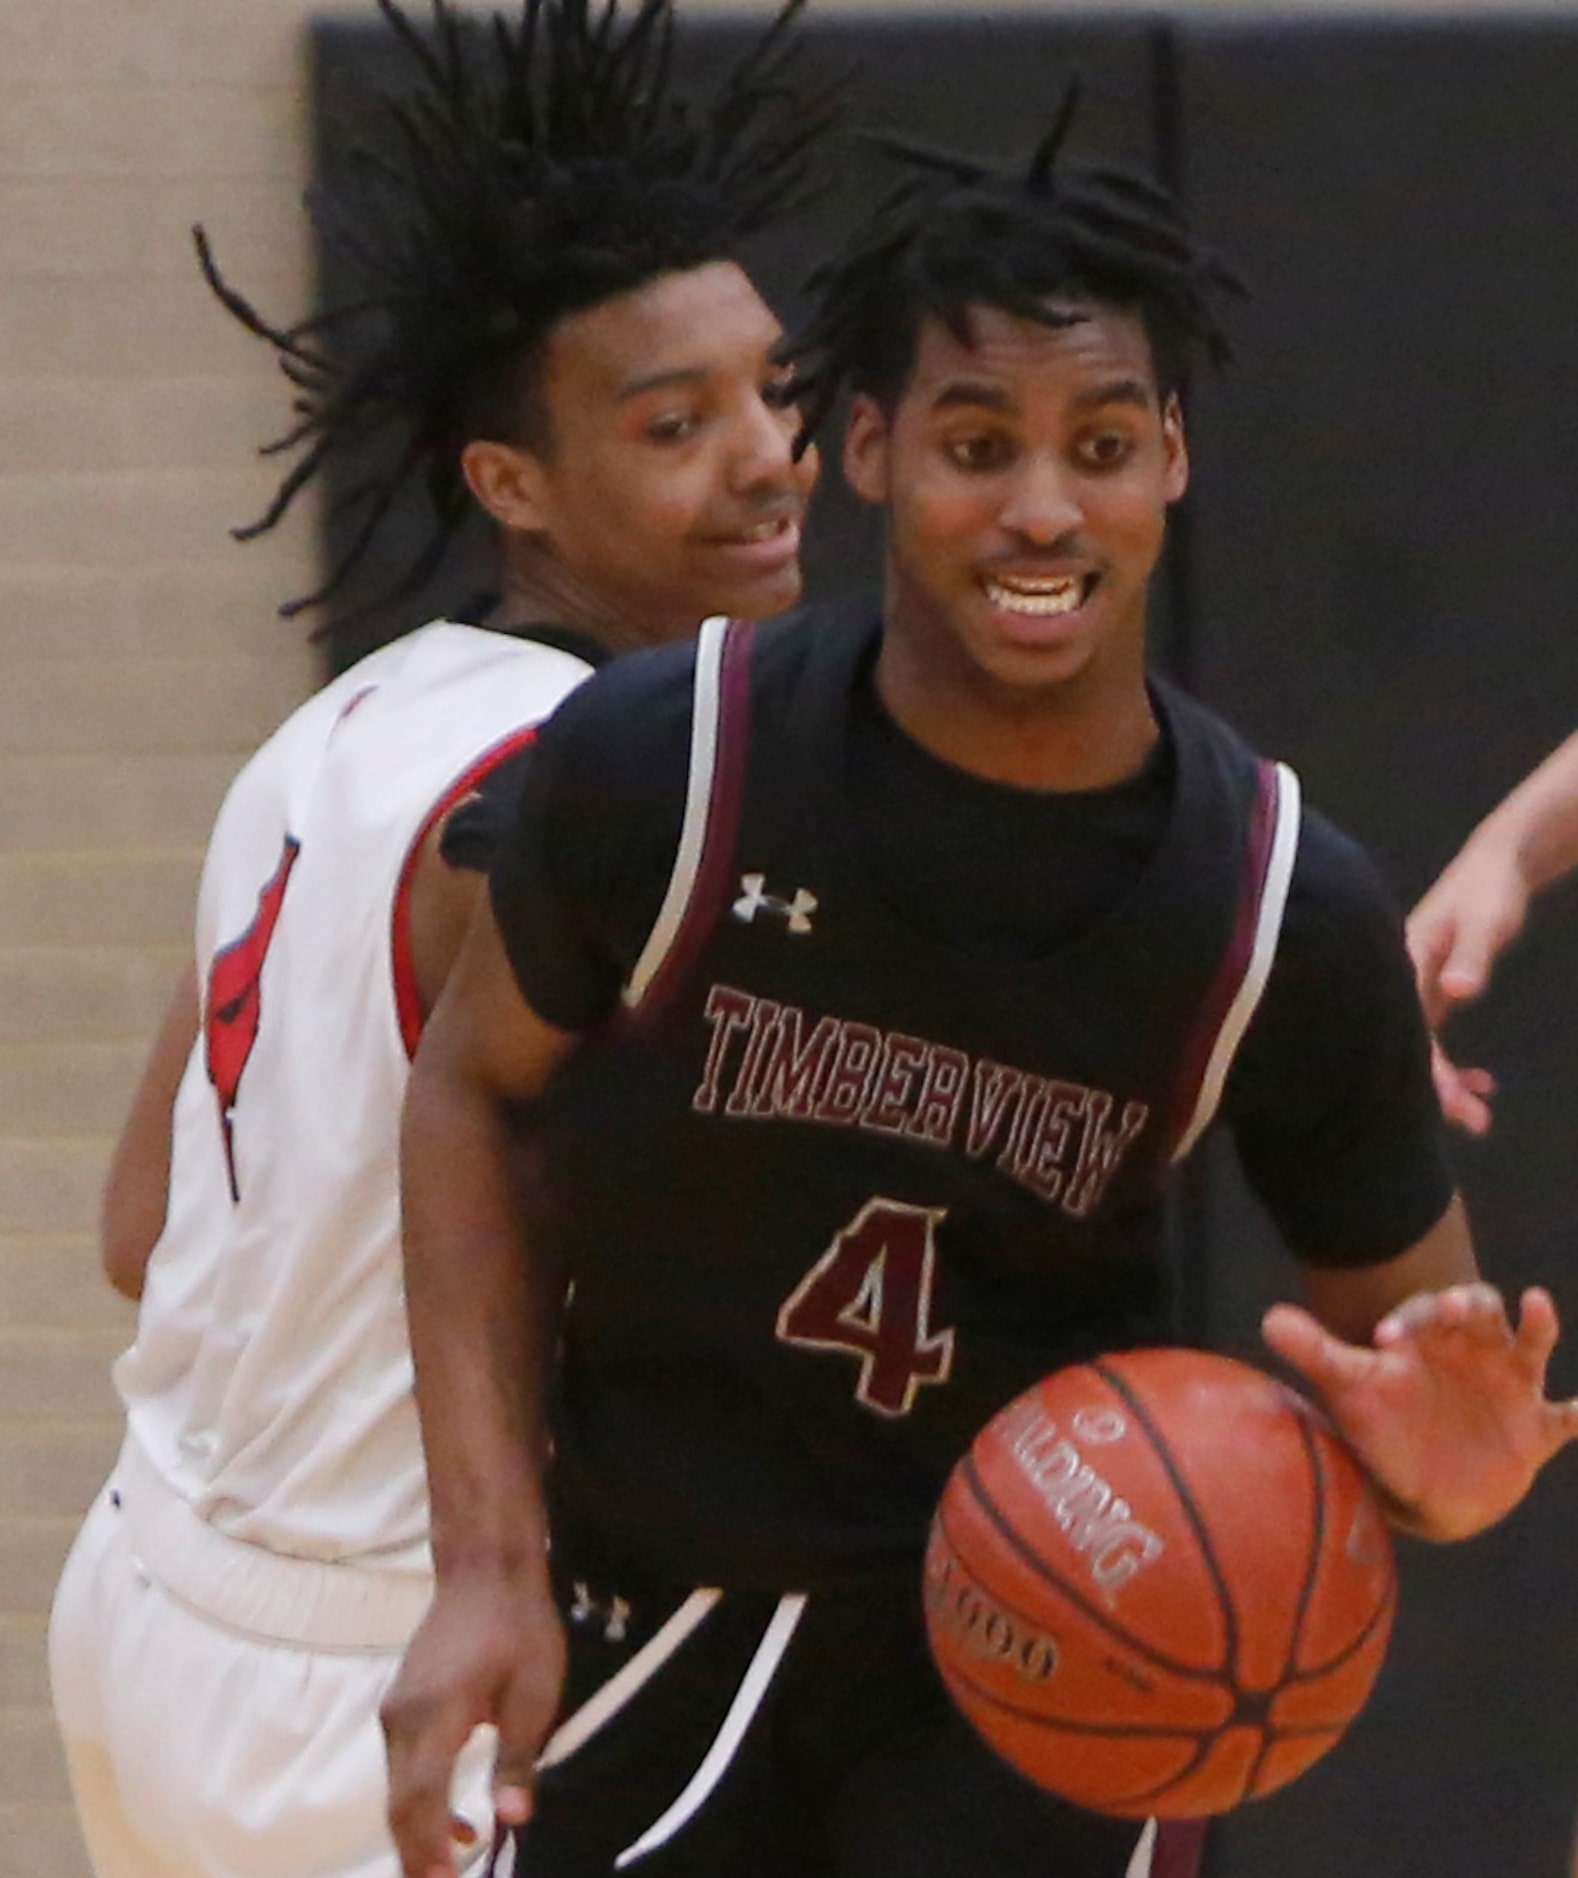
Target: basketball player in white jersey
(565, 335)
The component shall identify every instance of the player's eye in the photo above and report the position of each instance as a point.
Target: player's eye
(981, 452)
(1105, 449)
(779, 391)
(673, 426)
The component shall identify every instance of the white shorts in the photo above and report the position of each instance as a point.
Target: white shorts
(211, 1730)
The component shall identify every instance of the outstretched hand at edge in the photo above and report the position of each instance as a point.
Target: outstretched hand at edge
(1446, 1408)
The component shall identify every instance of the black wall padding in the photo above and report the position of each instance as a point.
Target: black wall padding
(1382, 591)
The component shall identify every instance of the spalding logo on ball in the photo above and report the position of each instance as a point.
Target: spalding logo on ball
(1159, 1585)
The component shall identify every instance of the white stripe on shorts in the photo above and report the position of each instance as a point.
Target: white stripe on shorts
(628, 1682)
(1140, 1864)
(742, 1711)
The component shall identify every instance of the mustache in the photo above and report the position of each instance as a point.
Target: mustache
(1067, 555)
(785, 506)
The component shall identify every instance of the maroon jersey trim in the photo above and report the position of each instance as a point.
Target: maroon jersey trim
(1256, 925)
(408, 1001)
(714, 870)
(1179, 1848)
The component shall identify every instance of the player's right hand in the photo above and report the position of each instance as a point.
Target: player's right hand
(490, 1650)
(1446, 1407)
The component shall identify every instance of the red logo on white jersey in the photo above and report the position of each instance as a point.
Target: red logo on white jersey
(234, 1005)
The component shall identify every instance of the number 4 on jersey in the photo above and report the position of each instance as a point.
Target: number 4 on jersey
(869, 1295)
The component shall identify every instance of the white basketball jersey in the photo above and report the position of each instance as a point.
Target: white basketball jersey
(270, 1382)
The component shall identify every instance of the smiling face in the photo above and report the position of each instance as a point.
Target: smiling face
(1027, 478)
(668, 490)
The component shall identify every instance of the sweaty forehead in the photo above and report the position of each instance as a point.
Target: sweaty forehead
(1017, 356)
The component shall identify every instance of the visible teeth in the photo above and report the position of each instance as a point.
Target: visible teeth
(763, 531)
(1041, 598)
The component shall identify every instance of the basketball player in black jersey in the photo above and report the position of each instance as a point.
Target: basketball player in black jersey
(869, 975)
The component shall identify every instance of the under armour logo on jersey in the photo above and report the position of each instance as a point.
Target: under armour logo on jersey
(756, 899)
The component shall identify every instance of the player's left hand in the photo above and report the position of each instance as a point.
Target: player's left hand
(1465, 1095)
(1447, 1408)
(1465, 922)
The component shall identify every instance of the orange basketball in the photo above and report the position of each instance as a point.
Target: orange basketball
(1158, 1584)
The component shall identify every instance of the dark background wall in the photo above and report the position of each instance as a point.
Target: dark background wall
(1382, 590)
(1374, 578)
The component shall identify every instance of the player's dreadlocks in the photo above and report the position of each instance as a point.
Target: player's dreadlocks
(1038, 242)
(533, 175)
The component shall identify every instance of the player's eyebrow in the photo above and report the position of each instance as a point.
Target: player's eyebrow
(663, 381)
(1116, 391)
(970, 392)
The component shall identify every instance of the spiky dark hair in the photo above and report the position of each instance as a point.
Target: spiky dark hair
(1037, 242)
(528, 175)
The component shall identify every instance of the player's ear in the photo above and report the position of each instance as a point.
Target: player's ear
(1176, 446)
(509, 484)
(866, 450)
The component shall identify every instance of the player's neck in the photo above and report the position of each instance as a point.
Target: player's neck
(1093, 732)
(538, 591)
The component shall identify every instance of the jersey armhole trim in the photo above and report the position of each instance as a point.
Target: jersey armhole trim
(1273, 849)
(713, 785)
(402, 964)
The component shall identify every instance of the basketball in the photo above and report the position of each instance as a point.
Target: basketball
(1159, 1585)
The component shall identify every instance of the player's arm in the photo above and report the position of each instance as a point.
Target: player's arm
(1416, 1360)
(1352, 1301)
(449, 880)
(538, 968)
(482, 1314)
(444, 901)
(1479, 904)
(137, 1188)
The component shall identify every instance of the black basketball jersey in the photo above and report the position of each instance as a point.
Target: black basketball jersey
(832, 1193)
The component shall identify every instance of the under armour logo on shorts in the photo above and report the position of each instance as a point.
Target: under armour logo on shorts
(615, 1614)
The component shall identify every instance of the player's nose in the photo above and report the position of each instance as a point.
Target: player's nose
(1041, 503)
(763, 455)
